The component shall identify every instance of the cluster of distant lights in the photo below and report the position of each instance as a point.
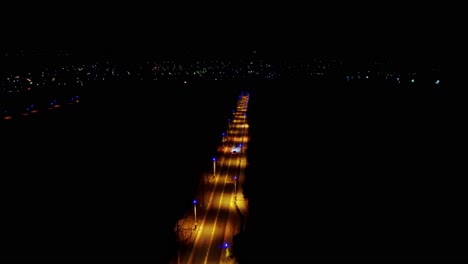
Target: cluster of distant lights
(94, 73)
(32, 108)
(350, 78)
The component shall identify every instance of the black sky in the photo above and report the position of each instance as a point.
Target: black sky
(355, 29)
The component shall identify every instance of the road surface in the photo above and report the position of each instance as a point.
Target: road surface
(205, 237)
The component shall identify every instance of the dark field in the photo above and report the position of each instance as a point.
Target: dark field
(335, 171)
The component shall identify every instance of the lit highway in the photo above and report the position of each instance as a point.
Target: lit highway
(206, 235)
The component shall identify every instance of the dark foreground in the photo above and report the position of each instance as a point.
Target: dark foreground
(355, 173)
(335, 173)
(106, 179)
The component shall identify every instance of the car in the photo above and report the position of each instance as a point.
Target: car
(236, 149)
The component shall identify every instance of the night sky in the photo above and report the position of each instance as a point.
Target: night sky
(357, 29)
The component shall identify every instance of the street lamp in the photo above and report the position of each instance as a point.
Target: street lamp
(195, 212)
(235, 188)
(214, 166)
(228, 253)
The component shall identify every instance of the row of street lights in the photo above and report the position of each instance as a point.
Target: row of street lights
(214, 175)
(195, 202)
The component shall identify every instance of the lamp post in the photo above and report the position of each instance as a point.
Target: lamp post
(228, 254)
(195, 212)
(214, 167)
(235, 188)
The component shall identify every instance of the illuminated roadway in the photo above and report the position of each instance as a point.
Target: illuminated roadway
(209, 239)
